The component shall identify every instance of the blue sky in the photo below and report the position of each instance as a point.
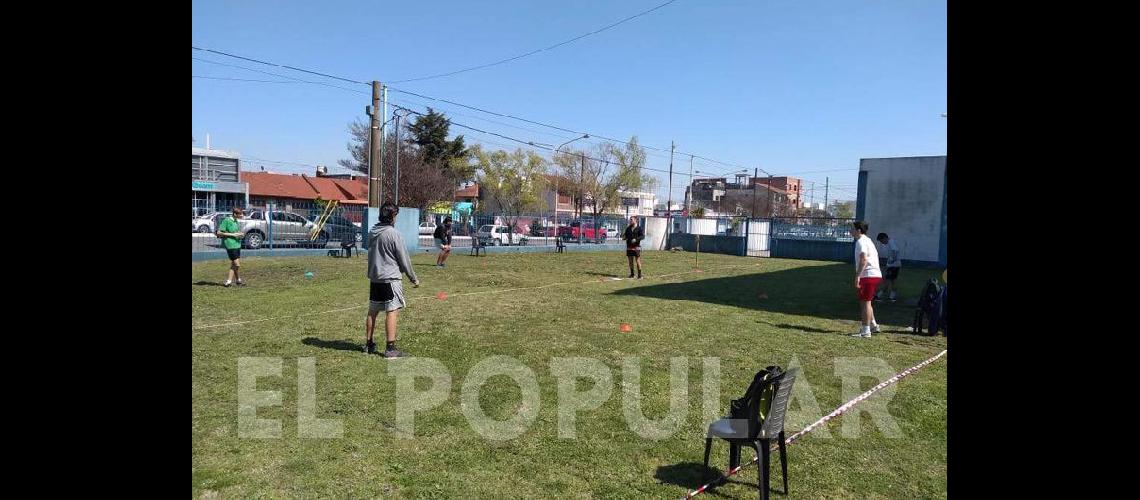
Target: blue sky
(802, 88)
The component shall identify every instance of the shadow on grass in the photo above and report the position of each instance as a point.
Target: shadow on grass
(339, 345)
(807, 329)
(821, 291)
(604, 275)
(208, 283)
(689, 475)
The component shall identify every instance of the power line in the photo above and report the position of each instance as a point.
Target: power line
(267, 63)
(734, 165)
(528, 143)
(278, 75)
(481, 66)
(242, 79)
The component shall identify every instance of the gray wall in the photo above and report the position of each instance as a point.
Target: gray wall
(903, 197)
(407, 223)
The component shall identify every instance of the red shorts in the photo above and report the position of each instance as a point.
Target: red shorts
(867, 288)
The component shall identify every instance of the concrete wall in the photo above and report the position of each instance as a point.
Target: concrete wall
(656, 229)
(407, 223)
(729, 245)
(905, 198)
(702, 226)
(839, 251)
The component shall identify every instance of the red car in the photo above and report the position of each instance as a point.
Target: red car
(584, 229)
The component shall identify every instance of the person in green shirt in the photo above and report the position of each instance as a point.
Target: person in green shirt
(230, 232)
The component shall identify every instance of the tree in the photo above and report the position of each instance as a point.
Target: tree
(421, 183)
(843, 209)
(697, 212)
(619, 169)
(429, 134)
(357, 148)
(571, 168)
(512, 180)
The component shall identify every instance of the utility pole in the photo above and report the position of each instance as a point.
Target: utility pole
(689, 189)
(396, 193)
(582, 189)
(669, 198)
(826, 186)
(769, 196)
(374, 188)
(812, 202)
(755, 174)
(384, 91)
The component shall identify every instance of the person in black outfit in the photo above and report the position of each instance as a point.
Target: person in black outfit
(442, 237)
(633, 236)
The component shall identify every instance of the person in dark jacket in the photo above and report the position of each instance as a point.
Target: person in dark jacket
(442, 237)
(633, 235)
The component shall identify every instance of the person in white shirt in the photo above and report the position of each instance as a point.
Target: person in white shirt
(867, 277)
(894, 263)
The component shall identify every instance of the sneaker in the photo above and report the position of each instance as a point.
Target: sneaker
(630, 276)
(640, 277)
(227, 283)
(393, 354)
(865, 335)
(240, 283)
(876, 329)
(370, 348)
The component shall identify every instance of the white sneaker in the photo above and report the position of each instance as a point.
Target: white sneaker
(865, 335)
(227, 283)
(875, 329)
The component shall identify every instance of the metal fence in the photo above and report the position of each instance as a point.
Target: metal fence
(527, 229)
(293, 224)
(812, 228)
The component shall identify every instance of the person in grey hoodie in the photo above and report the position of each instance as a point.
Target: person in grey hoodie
(387, 259)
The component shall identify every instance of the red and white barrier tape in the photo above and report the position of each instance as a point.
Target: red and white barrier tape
(838, 411)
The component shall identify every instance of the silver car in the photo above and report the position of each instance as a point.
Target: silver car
(286, 228)
(208, 223)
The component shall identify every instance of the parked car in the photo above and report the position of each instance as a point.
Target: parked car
(492, 234)
(208, 223)
(287, 228)
(427, 227)
(583, 229)
(337, 228)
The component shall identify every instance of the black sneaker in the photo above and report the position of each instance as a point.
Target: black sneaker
(240, 283)
(393, 354)
(370, 348)
(639, 276)
(630, 275)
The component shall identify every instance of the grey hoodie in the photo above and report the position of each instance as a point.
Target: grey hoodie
(387, 257)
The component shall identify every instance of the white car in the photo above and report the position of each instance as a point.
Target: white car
(209, 222)
(427, 227)
(492, 235)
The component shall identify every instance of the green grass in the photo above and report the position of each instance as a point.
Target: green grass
(714, 313)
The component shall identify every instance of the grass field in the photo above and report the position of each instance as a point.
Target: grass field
(809, 310)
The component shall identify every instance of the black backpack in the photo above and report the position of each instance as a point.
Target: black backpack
(738, 408)
(926, 303)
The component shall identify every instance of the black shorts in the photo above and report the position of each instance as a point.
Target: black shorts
(892, 273)
(234, 253)
(380, 292)
(633, 251)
